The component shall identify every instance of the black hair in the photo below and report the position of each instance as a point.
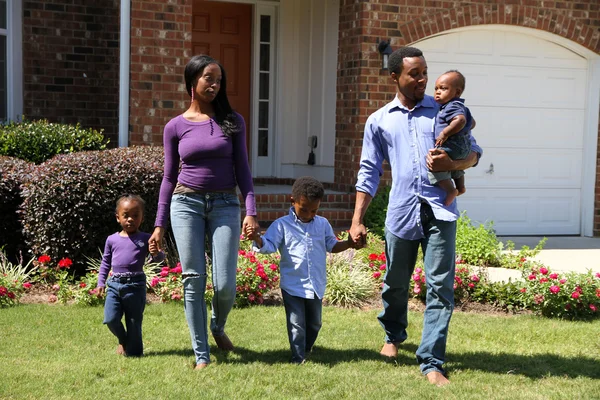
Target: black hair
(460, 80)
(397, 58)
(308, 187)
(224, 115)
(130, 197)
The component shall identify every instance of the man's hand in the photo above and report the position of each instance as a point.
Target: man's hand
(438, 160)
(358, 235)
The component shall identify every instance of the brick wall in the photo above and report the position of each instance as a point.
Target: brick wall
(160, 49)
(71, 63)
(362, 87)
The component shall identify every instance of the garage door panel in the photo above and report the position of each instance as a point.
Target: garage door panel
(520, 127)
(524, 212)
(521, 168)
(497, 48)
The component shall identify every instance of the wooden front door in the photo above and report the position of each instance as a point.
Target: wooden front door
(224, 32)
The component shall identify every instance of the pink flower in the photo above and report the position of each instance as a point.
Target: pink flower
(562, 281)
(3, 291)
(376, 274)
(44, 259)
(275, 279)
(554, 289)
(176, 296)
(52, 298)
(417, 289)
(597, 274)
(251, 297)
(593, 308)
(523, 259)
(553, 276)
(523, 290)
(538, 298)
(27, 285)
(543, 270)
(532, 277)
(177, 269)
(273, 267)
(65, 263)
(418, 270)
(262, 286)
(154, 282)
(382, 267)
(164, 273)
(416, 277)
(56, 287)
(475, 278)
(471, 285)
(575, 295)
(458, 280)
(543, 279)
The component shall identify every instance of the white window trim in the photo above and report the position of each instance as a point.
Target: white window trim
(14, 65)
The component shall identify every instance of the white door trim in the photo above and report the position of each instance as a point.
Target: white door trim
(592, 106)
(14, 70)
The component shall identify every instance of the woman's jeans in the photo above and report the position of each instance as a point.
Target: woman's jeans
(212, 219)
(127, 296)
(439, 259)
(304, 322)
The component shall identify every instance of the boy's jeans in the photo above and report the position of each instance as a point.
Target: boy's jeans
(438, 252)
(303, 318)
(214, 217)
(126, 296)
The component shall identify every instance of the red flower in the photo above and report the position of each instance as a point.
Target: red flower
(44, 259)
(471, 285)
(82, 285)
(554, 276)
(382, 267)
(593, 308)
(10, 295)
(373, 256)
(523, 290)
(575, 295)
(27, 285)
(376, 274)
(273, 267)
(177, 269)
(65, 263)
(475, 278)
(543, 279)
(381, 257)
(554, 289)
(251, 297)
(543, 271)
(531, 277)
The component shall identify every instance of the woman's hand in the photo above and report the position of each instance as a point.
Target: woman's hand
(250, 225)
(156, 240)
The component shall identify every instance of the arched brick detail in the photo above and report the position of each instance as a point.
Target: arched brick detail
(509, 14)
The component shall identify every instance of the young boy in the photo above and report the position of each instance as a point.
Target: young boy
(453, 125)
(125, 253)
(303, 240)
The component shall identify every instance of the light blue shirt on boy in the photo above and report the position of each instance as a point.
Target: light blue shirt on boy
(403, 137)
(303, 247)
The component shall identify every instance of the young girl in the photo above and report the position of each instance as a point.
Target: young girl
(126, 252)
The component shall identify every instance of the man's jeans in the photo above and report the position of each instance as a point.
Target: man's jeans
(439, 259)
(214, 217)
(126, 296)
(304, 321)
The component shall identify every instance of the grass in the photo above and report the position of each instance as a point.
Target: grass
(64, 352)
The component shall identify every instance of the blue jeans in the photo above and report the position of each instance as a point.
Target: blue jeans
(303, 317)
(126, 296)
(458, 147)
(212, 218)
(439, 259)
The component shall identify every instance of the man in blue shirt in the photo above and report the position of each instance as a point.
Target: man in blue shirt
(402, 132)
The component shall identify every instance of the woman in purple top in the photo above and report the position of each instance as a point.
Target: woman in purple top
(126, 253)
(205, 159)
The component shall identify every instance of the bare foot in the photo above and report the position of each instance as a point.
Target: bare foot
(223, 342)
(201, 366)
(437, 378)
(121, 350)
(461, 190)
(389, 350)
(450, 196)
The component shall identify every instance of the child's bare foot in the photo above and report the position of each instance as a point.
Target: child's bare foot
(121, 350)
(200, 366)
(450, 196)
(389, 350)
(460, 185)
(223, 342)
(437, 378)
(461, 190)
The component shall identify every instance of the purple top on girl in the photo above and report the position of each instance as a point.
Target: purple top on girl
(125, 254)
(210, 161)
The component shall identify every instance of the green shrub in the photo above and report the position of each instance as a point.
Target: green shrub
(374, 218)
(477, 245)
(13, 172)
(69, 201)
(349, 282)
(37, 141)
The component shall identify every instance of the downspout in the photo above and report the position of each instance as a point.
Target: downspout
(124, 63)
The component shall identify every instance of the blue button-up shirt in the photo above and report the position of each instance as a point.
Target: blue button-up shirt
(303, 247)
(403, 137)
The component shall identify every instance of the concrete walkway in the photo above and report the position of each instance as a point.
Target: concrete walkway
(560, 254)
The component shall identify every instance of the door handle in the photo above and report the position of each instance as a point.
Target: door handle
(490, 170)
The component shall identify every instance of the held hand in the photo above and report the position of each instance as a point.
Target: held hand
(250, 226)
(101, 291)
(440, 140)
(358, 235)
(438, 160)
(152, 248)
(155, 241)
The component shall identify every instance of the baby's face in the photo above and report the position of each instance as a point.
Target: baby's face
(445, 89)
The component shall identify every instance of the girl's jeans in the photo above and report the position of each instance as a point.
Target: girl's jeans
(211, 219)
(126, 296)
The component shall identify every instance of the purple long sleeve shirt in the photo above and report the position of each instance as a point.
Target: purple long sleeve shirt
(210, 161)
(125, 254)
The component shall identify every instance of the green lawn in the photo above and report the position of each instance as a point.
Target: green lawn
(63, 352)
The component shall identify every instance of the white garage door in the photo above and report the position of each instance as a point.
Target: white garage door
(528, 97)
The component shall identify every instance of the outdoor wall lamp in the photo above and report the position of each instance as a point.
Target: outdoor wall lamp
(385, 50)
